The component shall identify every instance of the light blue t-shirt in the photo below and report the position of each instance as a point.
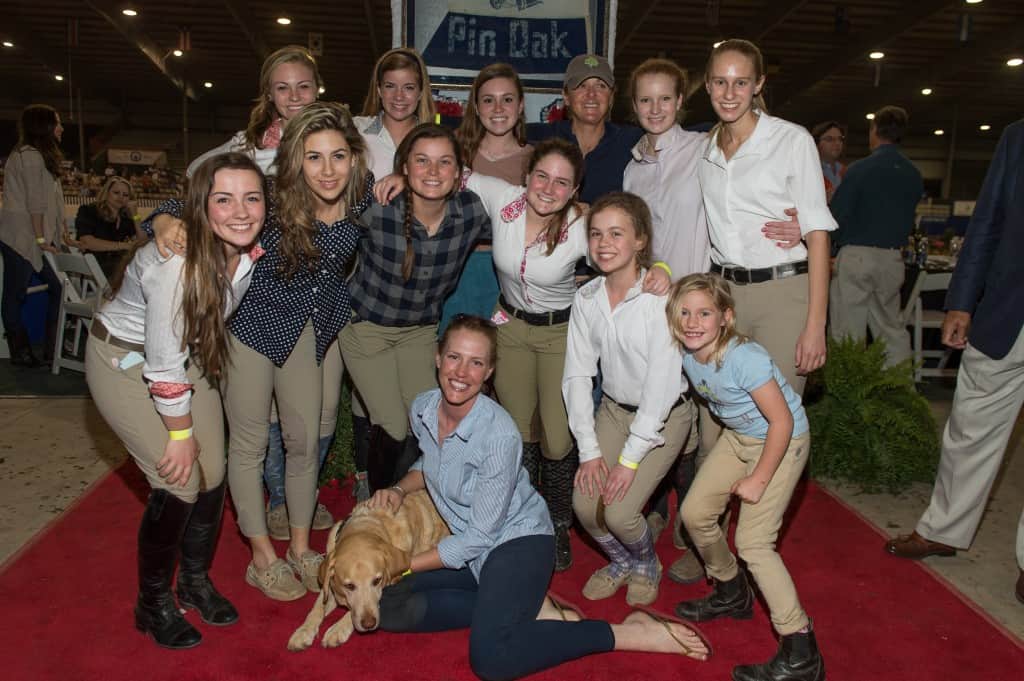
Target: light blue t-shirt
(745, 368)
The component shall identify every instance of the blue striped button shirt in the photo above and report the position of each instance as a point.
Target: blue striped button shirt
(477, 481)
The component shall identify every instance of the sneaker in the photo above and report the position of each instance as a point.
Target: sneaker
(276, 581)
(322, 518)
(307, 567)
(603, 584)
(687, 569)
(642, 589)
(277, 523)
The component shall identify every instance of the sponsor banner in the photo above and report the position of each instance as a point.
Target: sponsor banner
(138, 157)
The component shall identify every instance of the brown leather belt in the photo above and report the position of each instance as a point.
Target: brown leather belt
(100, 333)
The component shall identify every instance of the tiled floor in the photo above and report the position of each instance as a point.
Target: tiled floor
(53, 449)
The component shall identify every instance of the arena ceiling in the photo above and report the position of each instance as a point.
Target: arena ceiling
(817, 52)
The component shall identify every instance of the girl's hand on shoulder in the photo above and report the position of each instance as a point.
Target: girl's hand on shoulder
(389, 498)
(175, 466)
(657, 281)
(169, 234)
(590, 477)
(749, 489)
(618, 483)
(387, 188)
(786, 233)
(811, 350)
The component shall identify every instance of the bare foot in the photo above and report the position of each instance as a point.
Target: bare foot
(664, 636)
(549, 610)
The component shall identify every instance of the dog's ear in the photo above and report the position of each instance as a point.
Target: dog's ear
(332, 538)
(325, 574)
(396, 562)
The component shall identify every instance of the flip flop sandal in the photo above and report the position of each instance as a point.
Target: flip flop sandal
(563, 605)
(666, 620)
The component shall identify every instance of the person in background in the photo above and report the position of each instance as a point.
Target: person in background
(31, 222)
(106, 227)
(830, 137)
(874, 207)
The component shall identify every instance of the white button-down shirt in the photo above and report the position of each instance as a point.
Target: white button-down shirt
(668, 182)
(147, 311)
(775, 169)
(380, 148)
(264, 158)
(530, 279)
(640, 364)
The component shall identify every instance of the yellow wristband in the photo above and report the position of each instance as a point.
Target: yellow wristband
(663, 266)
(40, 240)
(180, 434)
(407, 572)
(631, 465)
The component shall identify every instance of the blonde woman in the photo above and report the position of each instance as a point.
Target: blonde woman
(106, 228)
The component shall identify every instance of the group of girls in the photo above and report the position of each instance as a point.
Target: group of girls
(402, 258)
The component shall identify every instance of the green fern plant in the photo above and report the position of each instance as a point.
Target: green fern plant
(871, 427)
(340, 464)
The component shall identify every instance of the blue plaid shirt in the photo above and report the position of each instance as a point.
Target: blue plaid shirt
(380, 293)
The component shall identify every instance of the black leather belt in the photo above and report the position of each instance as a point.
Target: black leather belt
(631, 408)
(100, 333)
(537, 318)
(741, 275)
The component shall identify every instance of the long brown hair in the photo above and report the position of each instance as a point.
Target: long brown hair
(751, 52)
(395, 60)
(420, 132)
(471, 131)
(263, 114)
(102, 207)
(571, 153)
(296, 203)
(718, 290)
(35, 129)
(205, 281)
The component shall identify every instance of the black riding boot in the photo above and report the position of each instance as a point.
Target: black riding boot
(21, 350)
(384, 454)
(406, 458)
(556, 486)
(733, 598)
(361, 455)
(531, 462)
(195, 590)
(160, 534)
(797, 659)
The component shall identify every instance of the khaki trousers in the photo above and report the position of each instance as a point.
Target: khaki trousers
(390, 366)
(333, 367)
(774, 313)
(528, 378)
(123, 398)
(625, 519)
(865, 294)
(252, 381)
(988, 398)
(734, 457)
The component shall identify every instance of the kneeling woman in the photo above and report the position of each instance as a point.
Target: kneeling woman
(491, 574)
(163, 336)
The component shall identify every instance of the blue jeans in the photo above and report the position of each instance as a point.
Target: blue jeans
(506, 641)
(17, 275)
(273, 465)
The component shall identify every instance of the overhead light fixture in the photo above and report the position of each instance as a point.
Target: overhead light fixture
(870, 116)
(322, 89)
(973, 2)
(1016, 61)
(877, 55)
(58, 77)
(939, 132)
(8, 43)
(718, 43)
(129, 12)
(177, 53)
(284, 21)
(207, 85)
(926, 91)
(984, 127)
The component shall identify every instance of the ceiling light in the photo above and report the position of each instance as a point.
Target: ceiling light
(322, 89)
(877, 55)
(8, 43)
(870, 116)
(984, 127)
(177, 53)
(284, 21)
(718, 43)
(58, 77)
(1016, 61)
(926, 91)
(939, 132)
(207, 84)
(129, 13)
(973, 2)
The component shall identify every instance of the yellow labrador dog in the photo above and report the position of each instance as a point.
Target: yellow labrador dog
(365, 553)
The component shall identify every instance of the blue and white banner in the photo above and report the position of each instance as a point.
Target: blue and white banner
(538, 37)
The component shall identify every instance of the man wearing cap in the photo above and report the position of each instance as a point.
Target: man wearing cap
(588, 89)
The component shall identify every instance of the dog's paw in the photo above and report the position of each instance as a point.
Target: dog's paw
(302, 639)
(339, 632)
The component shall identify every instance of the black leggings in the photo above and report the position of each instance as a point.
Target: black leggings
(506, 641)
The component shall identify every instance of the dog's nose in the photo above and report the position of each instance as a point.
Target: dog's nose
(368, 623)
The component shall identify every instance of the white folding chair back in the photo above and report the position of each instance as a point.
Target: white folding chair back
(84, 285)
(920, 317)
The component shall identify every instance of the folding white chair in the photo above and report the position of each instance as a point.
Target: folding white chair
(919, 318)
(83, 287)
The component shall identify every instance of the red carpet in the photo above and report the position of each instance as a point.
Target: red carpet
(67, 602)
